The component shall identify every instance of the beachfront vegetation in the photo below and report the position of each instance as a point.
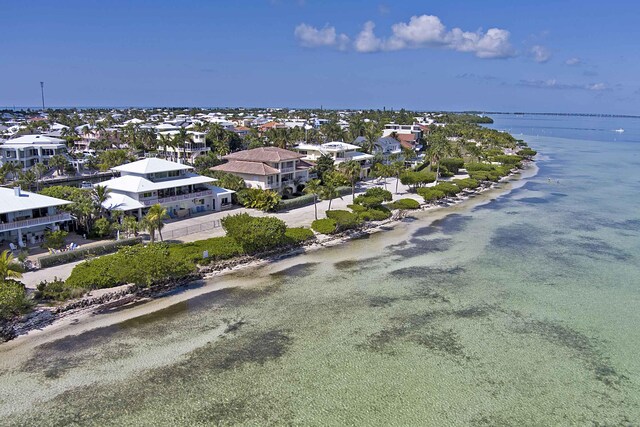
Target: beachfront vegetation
(86, 252)
(255, 234)
(345, 220)
(324, 226)
(431, 194)
(415, 179)
(404, 204)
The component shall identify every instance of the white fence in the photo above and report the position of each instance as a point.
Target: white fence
(192, 229)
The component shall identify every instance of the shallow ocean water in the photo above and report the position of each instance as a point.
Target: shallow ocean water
(520, 311)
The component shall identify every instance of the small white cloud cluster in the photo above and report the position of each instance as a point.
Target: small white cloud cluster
(309, 36)
(540, 54)
(420, 32)
(554, 84)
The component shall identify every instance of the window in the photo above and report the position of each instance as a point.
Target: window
(147, 195)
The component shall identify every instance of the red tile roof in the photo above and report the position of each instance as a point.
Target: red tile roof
(247, 168)
(264, 154)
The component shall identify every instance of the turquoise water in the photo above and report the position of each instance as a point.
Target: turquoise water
(519, 311)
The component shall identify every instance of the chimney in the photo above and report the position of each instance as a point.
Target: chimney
(16, 191)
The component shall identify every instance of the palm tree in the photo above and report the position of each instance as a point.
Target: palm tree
(166, 140)
(439, 147)
(351, 170)
(371, 135)
(314, 187)
(396, 168)
(154, 220)
(181, 138)
(8, 267)
(39, 169)
(11, 168)
(382, 171)
(329, 191)
(27, 179)
(99, 195)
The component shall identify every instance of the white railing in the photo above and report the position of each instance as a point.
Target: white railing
(285, 170)
(177, 198)
(25, 223)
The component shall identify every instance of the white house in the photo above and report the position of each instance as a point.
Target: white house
(340, 152)
(28, 150)
(196, 146)
(25, 216)
(269, 168)
(150, 181)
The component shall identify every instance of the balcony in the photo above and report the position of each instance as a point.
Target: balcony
(26, 223)
(285, 170)
(179, 198)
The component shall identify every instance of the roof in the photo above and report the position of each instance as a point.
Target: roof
(121, 202)
(139, 184)
(35, 139)
(264, 154)
(151, 165)
(247, 168)
(26, 201)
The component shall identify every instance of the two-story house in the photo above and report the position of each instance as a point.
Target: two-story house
(150, 181)
(27, 150)
(25, 216)
(340, 152)
(269, 168)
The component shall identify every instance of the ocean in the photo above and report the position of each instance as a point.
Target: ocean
(522, 309)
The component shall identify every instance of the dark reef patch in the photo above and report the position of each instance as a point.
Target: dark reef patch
(420, 247)
(516, 237)
(298, 270)
(533, 200)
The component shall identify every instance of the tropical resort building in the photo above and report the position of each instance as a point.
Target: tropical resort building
(25, 216)
(340, 152)
(269, 168)
(28, 150)
(173, 185)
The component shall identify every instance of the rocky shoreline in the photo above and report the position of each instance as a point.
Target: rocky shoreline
(123, 296)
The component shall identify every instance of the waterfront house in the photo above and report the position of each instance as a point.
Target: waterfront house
(269, 168)
(28, 150)
(173, 185)
(25, 216)
(340, 152)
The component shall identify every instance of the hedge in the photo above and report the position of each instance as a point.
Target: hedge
(298, 235)
(82, 253)
(345, 220)
(298, 202)
(447, 188)
(324, 226)
(430, 194)
(378, 214)
(404, 204)
(219, 248)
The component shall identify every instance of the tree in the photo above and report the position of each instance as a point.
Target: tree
(165, 141)
(371, 135)
(11, 168)
(351, 170)
(39, 169)
(99, 195)
(27, 179)
(203, 163)
(382, 171)
(182, 138)
(324, 164)
(59, 163)
(396, 168)
(329, 189)
(439, 147)
(9, 268)
(314, 187)
(154, 220)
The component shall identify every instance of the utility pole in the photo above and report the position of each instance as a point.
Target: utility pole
(42, 92)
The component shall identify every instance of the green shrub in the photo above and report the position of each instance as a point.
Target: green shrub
(379, 192)
(508, 160)
(404, 204)
(218, 248)
(484, 175)
(102, 227)
(417, 179)
(298, 235)
(343, 190)
(255, 234)
(368, 201)
(452, 164)
(141, 265)
(57, 290)
(378, 214)
(345, 220)
(82, 253)
(527, 152)
(447, 188)
(13, 298)
(357, 208)
(305, 200)
(466, 183)
(257, 198)
(54, 239)
(324, 226)
(478, 167)
(430, 194)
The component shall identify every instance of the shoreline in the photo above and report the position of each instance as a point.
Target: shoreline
(114, 305)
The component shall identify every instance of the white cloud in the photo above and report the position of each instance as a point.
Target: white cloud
(366, 41)
(573, 61)
(554, 84)
(540, 54)
(422, 31)
(309, 36)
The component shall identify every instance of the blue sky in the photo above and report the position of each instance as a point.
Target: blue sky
(561, 56)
